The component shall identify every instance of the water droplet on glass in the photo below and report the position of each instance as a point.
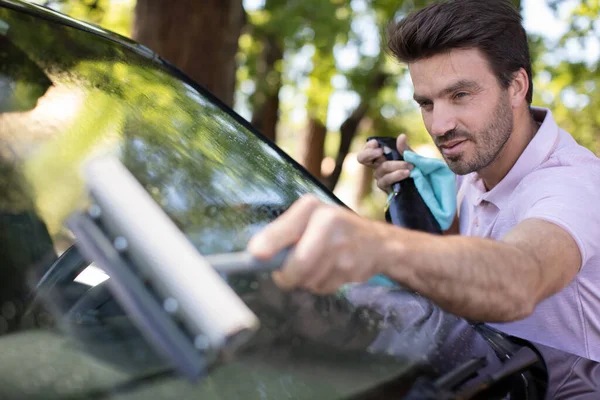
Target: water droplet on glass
(95, 211)
(120, 243)
(170, 305)
(201, 343)
(211, 211)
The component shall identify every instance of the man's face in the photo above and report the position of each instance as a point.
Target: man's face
(465, 110)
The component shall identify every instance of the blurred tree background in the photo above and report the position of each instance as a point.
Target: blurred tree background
(315, 76)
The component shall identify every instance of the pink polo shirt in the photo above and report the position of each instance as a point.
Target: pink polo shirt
(556, 180)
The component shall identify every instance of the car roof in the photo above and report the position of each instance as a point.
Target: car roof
(41, 11)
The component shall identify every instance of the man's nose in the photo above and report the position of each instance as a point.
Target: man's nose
(443, 120)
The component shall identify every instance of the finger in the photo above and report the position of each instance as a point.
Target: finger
(310, 257)
(281, 282)
(319, 275)
(393, 177)
(333, 275)
(383, 186)
(402, 143)
(285, 230)
(369, 155)
(371, 144)
(328, 287)
(377, 162)
(392, 166)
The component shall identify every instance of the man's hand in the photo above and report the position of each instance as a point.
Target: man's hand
(333, 246)
(386, 172)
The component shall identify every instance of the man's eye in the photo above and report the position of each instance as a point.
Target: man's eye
(425, 104)
(460, 95)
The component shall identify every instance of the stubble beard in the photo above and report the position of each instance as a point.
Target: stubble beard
(488, 143)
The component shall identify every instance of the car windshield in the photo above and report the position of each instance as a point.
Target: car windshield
(67, 94)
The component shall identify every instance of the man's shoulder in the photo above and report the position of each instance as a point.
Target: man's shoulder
(568, 177)
(559, 146)
(564, 178)
(568, 164)
(570, 153)
(564, 190)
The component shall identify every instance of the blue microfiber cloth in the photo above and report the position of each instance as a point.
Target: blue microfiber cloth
(437, 186)
(382, 280)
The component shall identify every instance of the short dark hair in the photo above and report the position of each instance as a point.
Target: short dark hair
(492, 26)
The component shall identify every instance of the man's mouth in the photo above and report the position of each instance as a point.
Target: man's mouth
(453, 147)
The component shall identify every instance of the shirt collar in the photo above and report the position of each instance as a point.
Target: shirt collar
(537, 151)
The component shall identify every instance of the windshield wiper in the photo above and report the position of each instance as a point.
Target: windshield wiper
(463, 382)
(518, 363)
(443, 388)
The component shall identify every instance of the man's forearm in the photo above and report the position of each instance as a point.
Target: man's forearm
(476, 278)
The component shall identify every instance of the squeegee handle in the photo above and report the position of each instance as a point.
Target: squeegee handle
(244, 262)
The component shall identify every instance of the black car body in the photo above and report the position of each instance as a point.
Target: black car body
(69, 90)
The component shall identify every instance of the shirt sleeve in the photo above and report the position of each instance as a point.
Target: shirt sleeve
(568, 197)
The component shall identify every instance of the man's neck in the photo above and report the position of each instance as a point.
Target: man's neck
(524, 130)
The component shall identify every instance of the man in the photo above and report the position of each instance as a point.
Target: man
(528, 257)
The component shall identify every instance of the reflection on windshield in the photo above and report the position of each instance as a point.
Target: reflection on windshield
(22, 93)
(206, 169)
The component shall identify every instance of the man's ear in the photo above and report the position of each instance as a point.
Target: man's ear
(518, 88)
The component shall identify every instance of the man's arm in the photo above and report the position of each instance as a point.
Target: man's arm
(476, 278)
(487, 280)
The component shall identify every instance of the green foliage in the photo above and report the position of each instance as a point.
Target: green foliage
(567, 77)
(316, 25)
(391, 114)
(116, 16)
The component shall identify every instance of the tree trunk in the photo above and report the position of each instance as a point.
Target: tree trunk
(266, 100)
(349, 128)
(199, 37)
(314, 147)
(347, 132)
